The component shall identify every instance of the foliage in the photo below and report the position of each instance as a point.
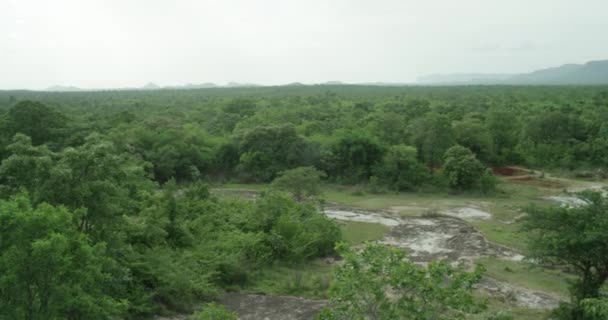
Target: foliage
(354, 155)
(27, 167)
(49, 270)
(36, 120)
(573, 237)
(432, 135)
(462, 168)
(266, 151)
(138, 220)
(213, 311)
(301, 182)
(473, 134)
(401, 170)
(379, 283)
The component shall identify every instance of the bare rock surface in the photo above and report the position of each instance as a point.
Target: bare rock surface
(429, 239)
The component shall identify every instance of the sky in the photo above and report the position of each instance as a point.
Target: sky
(128, 43)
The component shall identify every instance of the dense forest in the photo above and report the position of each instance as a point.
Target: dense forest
(107, 209)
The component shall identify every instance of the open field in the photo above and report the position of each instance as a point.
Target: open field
(526, 291)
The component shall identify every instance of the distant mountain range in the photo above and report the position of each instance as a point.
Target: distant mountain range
(590, 73)
(154, 86)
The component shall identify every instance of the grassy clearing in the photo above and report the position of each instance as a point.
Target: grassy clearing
(495, 306)
(310, 280)
(355, 232)
(522, 274)
(508, 235)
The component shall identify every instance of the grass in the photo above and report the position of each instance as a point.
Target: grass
(507, 235)
(355, 232)
(495, 306)
(521, 274)
(310, 280)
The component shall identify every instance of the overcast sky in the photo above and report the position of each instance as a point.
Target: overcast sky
(120, 43)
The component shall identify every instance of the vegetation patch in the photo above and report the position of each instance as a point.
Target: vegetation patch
(528, 276)
(355, 232)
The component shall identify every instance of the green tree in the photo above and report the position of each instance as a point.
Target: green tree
(379, 283)
(213, 311)
(96, 178)
(36, 120)
(503, 127)
(471, 133)
(432, 135)
(27, 167)
(294, 231)
(49, 270)
(301, 182)
(461, 168)
(573, 237)
(354, 155)
(266, 151)
(400, 168)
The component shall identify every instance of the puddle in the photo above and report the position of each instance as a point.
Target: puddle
(361, 216)
(467, 213)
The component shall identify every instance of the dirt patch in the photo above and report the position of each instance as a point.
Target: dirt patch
(518, 296)
(535, 181)
(257, 307)
(510, 171)
(467, 213)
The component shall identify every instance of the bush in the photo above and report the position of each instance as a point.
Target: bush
(488, 182)
(213, 311)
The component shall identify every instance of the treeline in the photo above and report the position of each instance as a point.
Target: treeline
(397, 142)
(247, 136)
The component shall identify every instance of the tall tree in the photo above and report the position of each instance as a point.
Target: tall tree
(354, 155)
(40, 122)
(462, 168)
(301, 182)
(49, 270)
(400, 168)
(266, 151)
(471, 133)
(573, 237)
(432, 135)
(101, 181)
(27, 167)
